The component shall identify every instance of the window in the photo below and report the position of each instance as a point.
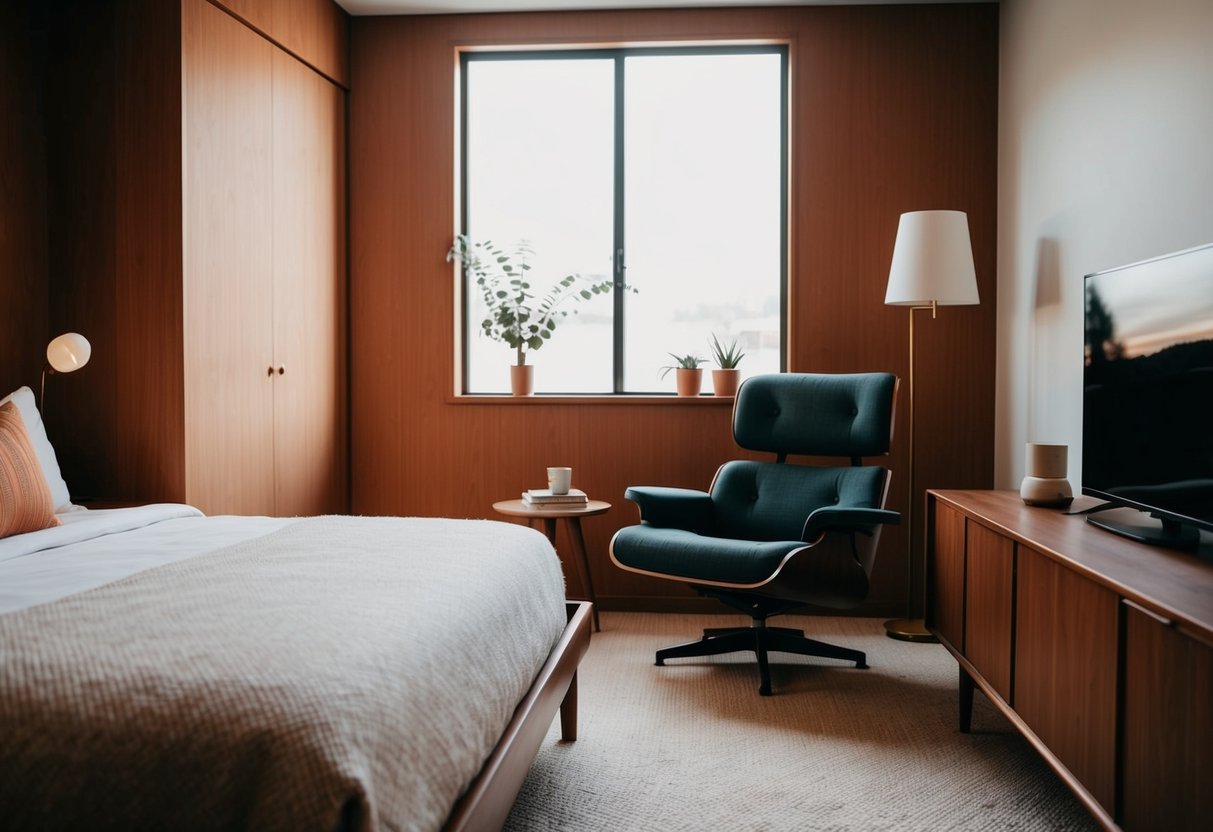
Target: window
(661, 170)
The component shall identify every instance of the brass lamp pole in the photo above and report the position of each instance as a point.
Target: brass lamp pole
(932, 267)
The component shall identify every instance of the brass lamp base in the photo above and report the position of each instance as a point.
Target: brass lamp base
(909, 629)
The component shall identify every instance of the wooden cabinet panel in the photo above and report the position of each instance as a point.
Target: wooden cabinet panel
(989, 587)
(227, 215)
(164, 139)
(1167, 752)
(1065, 673)
(945, 607)
(1111, 659)
(257, 13)
(317, 31)
(309, 304)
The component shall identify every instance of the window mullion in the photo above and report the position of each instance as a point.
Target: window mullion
(464, 194)
(620, 263)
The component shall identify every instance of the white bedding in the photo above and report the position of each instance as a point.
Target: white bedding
(367, 667)
(93, 548)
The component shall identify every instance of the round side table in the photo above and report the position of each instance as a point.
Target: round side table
(572, 517)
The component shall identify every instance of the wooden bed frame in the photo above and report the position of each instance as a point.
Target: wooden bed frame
(487, 802)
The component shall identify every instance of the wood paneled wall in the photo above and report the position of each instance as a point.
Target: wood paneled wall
(23, 328)
(893, 110)
(113, 85)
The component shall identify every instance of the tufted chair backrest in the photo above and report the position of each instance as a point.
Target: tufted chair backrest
(847, 415)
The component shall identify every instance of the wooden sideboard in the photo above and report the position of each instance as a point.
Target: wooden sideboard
(1098, 649)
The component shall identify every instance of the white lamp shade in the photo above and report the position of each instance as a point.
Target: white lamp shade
(69, 352)
(932, 261)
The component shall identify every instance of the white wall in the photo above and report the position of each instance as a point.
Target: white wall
(1105, 158)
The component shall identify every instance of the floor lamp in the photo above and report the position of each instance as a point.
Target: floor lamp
(932, 267)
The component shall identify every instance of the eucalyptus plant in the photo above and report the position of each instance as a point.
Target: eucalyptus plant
(518, 315)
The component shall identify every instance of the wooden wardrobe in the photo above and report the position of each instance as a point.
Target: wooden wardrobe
(218, 317)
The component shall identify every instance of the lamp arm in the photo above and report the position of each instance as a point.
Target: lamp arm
(46, 368)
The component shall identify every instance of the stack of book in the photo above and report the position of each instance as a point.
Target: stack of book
(544, 498)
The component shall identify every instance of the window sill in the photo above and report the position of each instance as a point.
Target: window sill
(592, 398)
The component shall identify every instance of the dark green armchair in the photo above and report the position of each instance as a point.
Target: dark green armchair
(770, 537)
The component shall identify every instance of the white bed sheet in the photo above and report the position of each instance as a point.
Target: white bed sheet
(97, 547)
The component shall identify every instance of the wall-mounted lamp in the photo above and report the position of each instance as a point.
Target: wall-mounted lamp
(64, 354)
(932, 267)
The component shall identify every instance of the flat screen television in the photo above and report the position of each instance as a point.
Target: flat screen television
(1147, 425)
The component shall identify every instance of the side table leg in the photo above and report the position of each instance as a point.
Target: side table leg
(584, 564)
(549, 528)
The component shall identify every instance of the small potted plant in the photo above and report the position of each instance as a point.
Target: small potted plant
(518, 316)
(688, 376)
(726, 376)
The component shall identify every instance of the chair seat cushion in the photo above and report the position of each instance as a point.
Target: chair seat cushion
(683, 554)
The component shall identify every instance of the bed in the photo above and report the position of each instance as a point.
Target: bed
(159, 669)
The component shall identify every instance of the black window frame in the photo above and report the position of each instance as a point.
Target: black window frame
(619, 249)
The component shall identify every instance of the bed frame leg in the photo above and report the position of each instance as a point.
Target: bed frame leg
(568, 712)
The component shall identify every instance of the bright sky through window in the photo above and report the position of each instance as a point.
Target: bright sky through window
(701, 215)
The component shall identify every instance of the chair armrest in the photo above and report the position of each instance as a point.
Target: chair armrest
(673, 508)
(863, 520)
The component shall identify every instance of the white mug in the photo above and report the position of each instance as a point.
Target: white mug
(560, 480)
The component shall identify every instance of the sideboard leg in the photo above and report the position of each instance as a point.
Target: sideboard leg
(966, 700)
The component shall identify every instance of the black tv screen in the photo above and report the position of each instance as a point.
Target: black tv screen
(1147, 434)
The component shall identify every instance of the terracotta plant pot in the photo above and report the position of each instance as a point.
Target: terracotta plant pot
(522, 379)
(688, 381)
(724, 382)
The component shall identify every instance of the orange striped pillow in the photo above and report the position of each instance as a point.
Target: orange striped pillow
(25, 498)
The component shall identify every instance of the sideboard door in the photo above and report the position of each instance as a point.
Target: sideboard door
(1065, 669)
(1167, 759)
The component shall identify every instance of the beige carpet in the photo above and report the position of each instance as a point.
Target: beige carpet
(692, 746)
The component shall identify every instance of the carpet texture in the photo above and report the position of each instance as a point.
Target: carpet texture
(692, 746)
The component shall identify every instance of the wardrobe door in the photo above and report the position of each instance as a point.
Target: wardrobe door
(228, 297)
(309, 290)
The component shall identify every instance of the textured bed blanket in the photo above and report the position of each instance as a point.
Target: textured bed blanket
(340, 673)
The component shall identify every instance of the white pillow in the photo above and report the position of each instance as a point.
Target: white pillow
(24, 399)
